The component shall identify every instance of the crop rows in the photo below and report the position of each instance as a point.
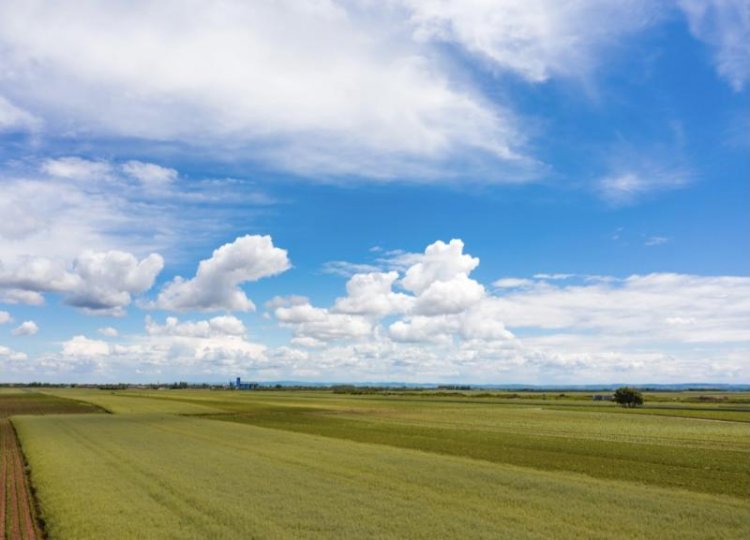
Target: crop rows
(17, 515)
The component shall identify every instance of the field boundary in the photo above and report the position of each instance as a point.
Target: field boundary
(19, 508)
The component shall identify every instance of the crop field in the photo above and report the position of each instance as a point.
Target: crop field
(18, 517)
(217, 464)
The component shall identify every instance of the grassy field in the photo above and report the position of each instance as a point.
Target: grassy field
(317, 464)
(18, 515)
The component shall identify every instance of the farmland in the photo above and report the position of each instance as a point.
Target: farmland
(18, 516)
(199, 464)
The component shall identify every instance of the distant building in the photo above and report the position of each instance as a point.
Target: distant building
(237, 384)
(597, 397)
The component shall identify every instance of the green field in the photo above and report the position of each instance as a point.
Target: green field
(211, 464)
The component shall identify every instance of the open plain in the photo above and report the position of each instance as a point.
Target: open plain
(218, 464)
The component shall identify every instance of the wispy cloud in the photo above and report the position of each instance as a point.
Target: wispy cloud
(627, 187)
(724, 25)
(655, 241)
(336, 89)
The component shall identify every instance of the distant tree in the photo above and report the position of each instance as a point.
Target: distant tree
(628, 396)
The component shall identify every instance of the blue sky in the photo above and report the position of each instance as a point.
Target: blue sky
(425, 191)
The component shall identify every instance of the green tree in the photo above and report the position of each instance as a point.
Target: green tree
(628, 396)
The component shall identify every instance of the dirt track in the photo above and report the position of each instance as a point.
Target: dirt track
(17, 515)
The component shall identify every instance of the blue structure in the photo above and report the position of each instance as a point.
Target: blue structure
(239, 385)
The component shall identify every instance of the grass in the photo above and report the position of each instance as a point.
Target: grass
(320, 465)
(18, 516)
(163, 476)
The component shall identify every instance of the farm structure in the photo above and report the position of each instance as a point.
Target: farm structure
(237, 384)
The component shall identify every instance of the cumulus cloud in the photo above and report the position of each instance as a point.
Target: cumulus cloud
(724, 25)
(441, 262)
(100, 283)
(202, 348)
(451, 296)
(318, 324)
(217, 326)
(216, 285)
(550, 328)
(372, 294)
(558, 326)
(107, 281)
(26, 328)
(81, 346)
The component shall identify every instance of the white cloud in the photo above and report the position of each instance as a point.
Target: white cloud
(5, 317)
(10, 354)
(216, 283)
(37, 274)
(57, 208)
(203, 349)
(108, 280)
(440, 262)
(320, 325)
(152, 176)
(217, 326)
(309, 86)
(628, 187)
(78, 169)
(81, 346)
(637, 307)
(421, 329)
(724, 25)
(13, 118)
(108, 331)
(452, 296)
(98, 282)
(19, 296)
(536, 39)
(554, 327)
(74, 206)
(26, 328)
(372, 294)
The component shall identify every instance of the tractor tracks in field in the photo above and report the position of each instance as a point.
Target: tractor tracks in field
(18, 515)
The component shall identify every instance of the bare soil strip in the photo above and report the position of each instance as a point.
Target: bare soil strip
(17, 514)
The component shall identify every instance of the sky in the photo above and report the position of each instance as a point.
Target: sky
(424, 191)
